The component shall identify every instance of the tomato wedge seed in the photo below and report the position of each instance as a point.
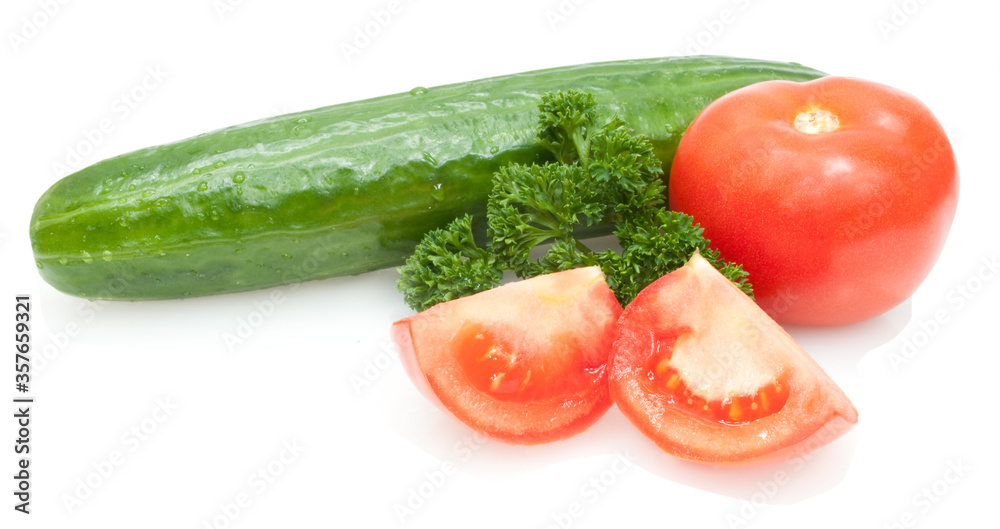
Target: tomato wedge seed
(734, 409)
(493, 365)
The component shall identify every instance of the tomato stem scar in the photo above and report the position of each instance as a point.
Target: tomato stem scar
(817, 122)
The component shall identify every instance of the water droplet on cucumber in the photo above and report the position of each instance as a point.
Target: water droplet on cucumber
(203, 186)
(437, 193)
(418, 91)
(87, 258)
(63, 259)
(238, 178)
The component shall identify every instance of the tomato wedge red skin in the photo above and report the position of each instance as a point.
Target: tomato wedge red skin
(833, 227)
(560, 326)
(698, 299)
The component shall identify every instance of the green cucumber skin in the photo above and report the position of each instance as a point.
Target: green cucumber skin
(338, 190)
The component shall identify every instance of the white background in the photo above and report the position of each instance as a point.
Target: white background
(192, 421)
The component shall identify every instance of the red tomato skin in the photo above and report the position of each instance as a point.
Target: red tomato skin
(554, 418)
(836, 227)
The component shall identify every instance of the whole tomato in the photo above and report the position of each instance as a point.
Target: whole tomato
(836, 195)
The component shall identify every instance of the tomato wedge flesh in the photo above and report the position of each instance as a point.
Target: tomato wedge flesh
(666, 379)
(708, 376)
(491, 364)
(523, 363)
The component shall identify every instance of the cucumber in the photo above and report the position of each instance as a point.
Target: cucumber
(339, 190)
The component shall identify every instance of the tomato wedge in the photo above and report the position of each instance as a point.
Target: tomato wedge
(523, 363)
(701, 370)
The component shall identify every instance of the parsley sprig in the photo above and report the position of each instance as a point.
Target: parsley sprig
(602, 173)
